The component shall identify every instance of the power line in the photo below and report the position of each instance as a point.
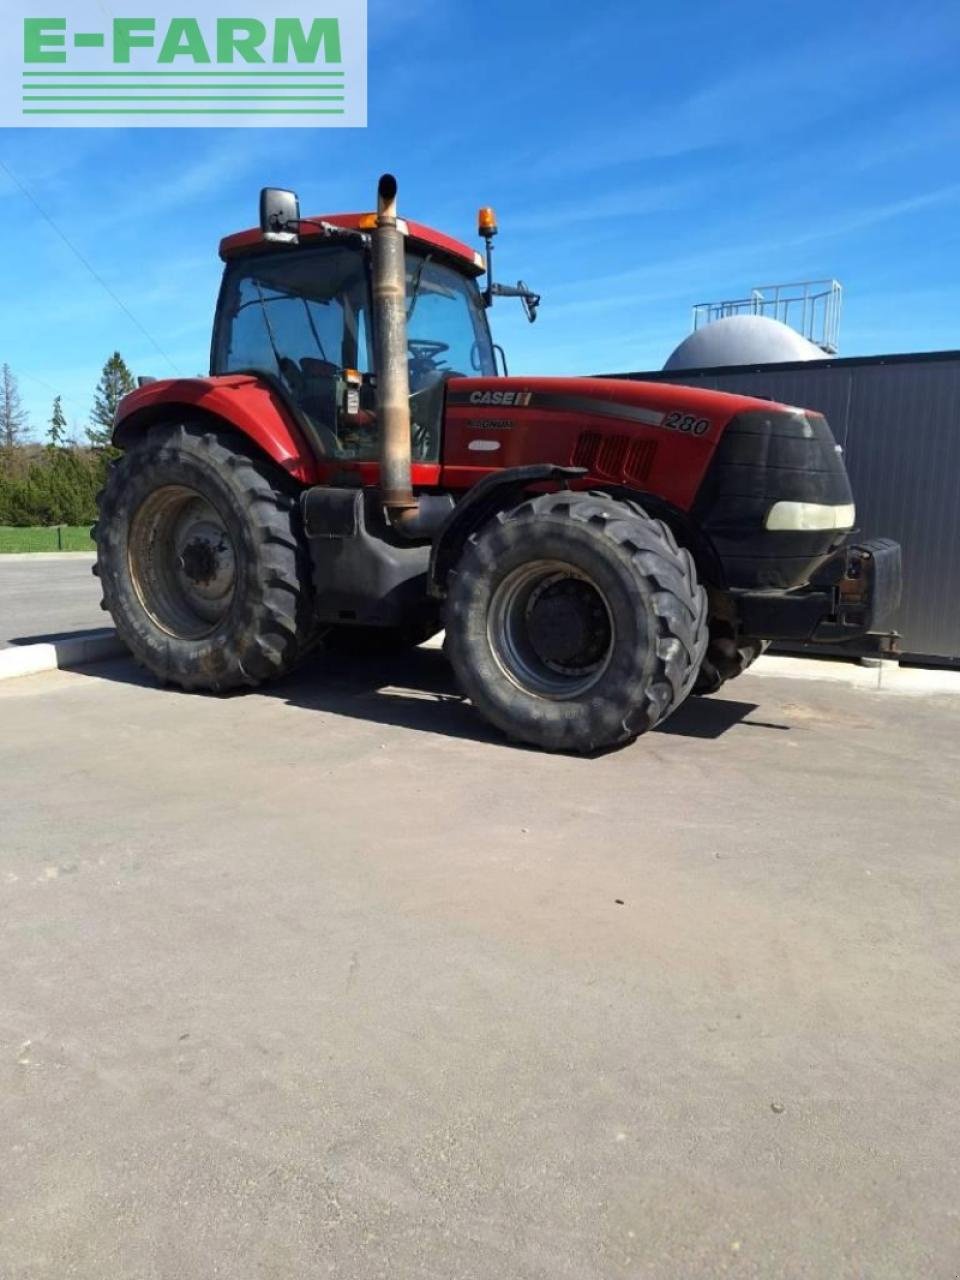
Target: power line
(32, 377)
(96, 275)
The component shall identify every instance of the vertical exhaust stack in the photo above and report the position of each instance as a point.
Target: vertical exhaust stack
(393, 378)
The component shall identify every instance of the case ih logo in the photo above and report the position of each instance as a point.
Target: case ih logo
(519, 398)
(148, 65)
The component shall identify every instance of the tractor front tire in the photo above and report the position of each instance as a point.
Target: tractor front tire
(575, 622)
(201, 560)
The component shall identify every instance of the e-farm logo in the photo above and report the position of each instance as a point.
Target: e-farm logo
(222, 64)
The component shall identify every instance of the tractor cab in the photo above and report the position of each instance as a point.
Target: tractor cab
(298, 312)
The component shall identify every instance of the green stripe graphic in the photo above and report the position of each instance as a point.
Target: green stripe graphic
(182, 73)
(184, 111)
(158, 88)
(167, 90)
(184, 97)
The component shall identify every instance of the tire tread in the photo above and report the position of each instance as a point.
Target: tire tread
(678, 606)
(275, 626)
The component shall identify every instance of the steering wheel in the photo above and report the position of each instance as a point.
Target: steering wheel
(425, 349)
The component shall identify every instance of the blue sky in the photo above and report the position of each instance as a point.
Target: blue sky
(641, 159)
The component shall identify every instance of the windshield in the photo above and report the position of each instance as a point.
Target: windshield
(303, 318)
(446, 323)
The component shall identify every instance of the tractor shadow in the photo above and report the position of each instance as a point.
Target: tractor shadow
(413, 690)
(53, 637)
(417, 691)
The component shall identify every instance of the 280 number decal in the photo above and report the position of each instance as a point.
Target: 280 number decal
(680, 421)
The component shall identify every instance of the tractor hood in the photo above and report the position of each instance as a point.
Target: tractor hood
(649, 403)
(644, 436)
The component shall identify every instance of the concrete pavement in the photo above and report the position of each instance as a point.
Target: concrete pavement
(328, 980)
(48, 595)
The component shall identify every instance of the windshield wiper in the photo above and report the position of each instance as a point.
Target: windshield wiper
(269, 328)
(262, 302)
(313, 329)
(415, 290)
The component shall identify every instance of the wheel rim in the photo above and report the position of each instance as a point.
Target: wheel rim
(182, 562)
(550, 629)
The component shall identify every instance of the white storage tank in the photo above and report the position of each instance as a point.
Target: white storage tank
(738, 340)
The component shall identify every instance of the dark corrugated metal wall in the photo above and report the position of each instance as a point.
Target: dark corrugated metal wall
(898, 420)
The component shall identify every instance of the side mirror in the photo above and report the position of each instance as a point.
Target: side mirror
(280, 215)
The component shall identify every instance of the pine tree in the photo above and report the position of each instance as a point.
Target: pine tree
(13, 416)
(57, 431)
(116, 381)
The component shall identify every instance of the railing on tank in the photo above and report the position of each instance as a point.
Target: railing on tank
(812, 307)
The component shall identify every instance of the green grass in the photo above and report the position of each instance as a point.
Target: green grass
(66, 537)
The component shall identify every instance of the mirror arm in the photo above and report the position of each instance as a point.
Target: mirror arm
(530, 300)
(334, 232)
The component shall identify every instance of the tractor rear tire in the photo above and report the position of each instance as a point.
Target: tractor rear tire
(575, 622)
(728, 656)
(201, 560)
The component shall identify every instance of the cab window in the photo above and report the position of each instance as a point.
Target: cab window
(301, 318)
(446, 323)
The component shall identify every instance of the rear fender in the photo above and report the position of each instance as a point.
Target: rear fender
(247, 404)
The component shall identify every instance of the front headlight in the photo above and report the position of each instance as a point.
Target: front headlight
(809, 516)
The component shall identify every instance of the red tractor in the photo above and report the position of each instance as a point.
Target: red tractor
(359, 466)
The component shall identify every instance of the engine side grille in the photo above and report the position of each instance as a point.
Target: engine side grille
(616, 458)
(611, 456)
(585, 450)
(640, 461)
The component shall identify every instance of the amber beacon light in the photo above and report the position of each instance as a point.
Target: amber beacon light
(487, 222)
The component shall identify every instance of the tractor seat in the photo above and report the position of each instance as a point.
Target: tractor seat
(318, 397)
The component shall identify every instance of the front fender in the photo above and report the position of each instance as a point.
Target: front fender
(246, 403)
(495, 492)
